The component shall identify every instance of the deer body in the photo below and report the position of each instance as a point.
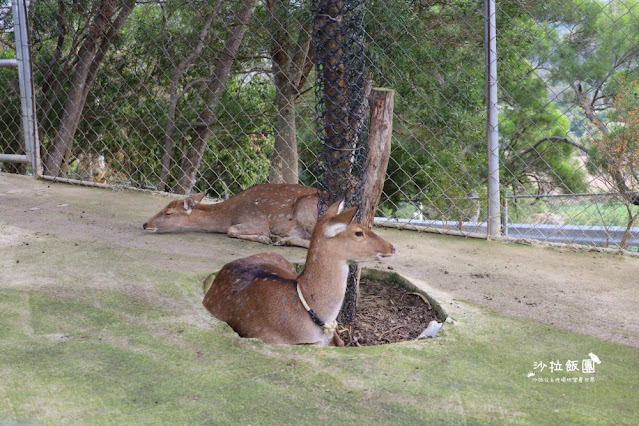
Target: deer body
(268, 213)
(258, 295)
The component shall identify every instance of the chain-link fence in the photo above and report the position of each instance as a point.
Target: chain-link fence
(215, 96)
(10, 134)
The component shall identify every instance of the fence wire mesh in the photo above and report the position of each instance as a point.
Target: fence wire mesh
(217, 95)
(340, 87)
(10, 118)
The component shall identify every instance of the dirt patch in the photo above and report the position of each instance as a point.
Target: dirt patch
(387, 312)
(573, 289)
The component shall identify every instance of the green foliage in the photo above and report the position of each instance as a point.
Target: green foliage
(9, 101)
(530, 157)
(237, 159)
(437, 150)
(597, 47)
(533, 130)
(433, 57)
(431, 53)
(605, 211)
(618, 151)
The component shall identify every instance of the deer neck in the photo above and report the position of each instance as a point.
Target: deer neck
(212, 217)
(323, 282)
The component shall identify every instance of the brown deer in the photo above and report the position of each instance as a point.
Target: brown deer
(261, 296)
(284, 214)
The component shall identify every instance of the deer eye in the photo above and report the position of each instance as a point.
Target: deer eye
(359, 234)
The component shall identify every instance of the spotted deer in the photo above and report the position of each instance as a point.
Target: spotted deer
(261, 296)
(283, 214)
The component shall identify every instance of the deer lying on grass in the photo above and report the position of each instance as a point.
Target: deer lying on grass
(284, 214)
(261, 296)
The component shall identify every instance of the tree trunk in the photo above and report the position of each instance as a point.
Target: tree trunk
(203, 128)
(284, 160)
(381, 104)
(336, 117)
(290, 74)
(101, 34)
(174, 98)
(52, 80)
(338, 35)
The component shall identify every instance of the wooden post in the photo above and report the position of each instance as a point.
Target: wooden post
(381, 103)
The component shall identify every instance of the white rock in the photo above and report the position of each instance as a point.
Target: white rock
(431, 330)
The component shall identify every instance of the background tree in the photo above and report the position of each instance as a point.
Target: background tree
(245, 104)
(537, 152)
(108, 16)
(179, 88)
(439, 155)
(292, 59)
(617, 151)
(595, 49)
(203, 128)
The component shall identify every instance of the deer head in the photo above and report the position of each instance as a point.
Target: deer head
(175, 216)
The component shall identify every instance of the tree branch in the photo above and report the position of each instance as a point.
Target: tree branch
(554, 139)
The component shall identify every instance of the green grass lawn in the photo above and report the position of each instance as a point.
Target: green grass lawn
(570, 211)
(108, 356)
(609, 213)
(101, 324)
(603, 214)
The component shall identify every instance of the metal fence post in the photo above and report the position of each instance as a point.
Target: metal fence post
(504, 217)
(492, 131)
(27, 101)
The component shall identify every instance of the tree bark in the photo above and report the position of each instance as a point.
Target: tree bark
(101, 34)
(52, 81)
(381, 105)
(381, 102)
(284, 168)
(203, 128)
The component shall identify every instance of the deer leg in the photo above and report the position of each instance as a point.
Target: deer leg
(250, 232)
(336, 341)
(291, 241)
(296, 237)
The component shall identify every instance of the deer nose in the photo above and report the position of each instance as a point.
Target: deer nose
(144, 225)
(392, 247)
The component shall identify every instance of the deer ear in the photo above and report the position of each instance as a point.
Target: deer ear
(340, 222)
(335, 208)
(198, 197)
(333, 229)
(346, 216)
